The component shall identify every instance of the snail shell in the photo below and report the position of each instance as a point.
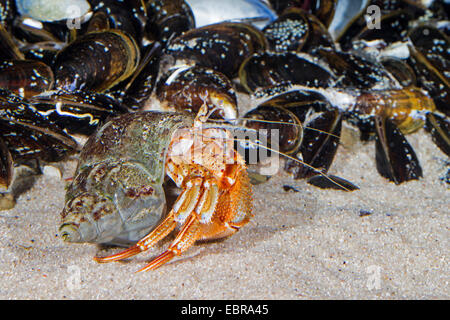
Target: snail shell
(117, 194)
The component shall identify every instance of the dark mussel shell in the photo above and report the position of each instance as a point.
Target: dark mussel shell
(6, 166)
(138, 88)
(288, 32)
(431, 61)
(323, 9)
(296, 30)
(400, 70)
(395, 27)
(8, 47)
(277, 69)
(222, 47)
(187, 89)
(45, 51)
(78, 112)
(168, 19)
(318, 36)
(439, 128)
(394, 19)
(355, 71)
(96, 61)
(25, 77)
(321, 132)
(269, 117)
(395, 158)
(129, 16)
(309, 129)
(29, 135)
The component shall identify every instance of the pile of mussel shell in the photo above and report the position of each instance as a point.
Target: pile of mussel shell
(68, 66)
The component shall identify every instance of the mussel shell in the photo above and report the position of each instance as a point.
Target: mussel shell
(321, 131)
(288, 32)
(8, 47)
(355, 71)
(129, 16)
(222, 47)
(275, 69)
(6, 166)
(25, 77)
(289, 131)
(168, 19)
(439, 128)
(394, 22)
(430, 59)
(28, 134)
(400, 70)
(323, 9)
(78, 112)
(188, 89)
(318, 37)
(30, 31)
(42, 51)
(139, 87)
(96, 61)
(394, 156)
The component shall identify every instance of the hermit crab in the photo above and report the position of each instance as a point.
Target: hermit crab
(117, 192)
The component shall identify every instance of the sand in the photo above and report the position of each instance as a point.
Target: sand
(381, 242)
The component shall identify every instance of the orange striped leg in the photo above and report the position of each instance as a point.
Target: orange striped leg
(185, 239)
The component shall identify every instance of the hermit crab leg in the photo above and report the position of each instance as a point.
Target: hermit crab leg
(199, 216)
(166, 226)
(184, 240)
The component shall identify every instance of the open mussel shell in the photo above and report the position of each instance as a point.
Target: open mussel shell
(25, 77)
(321, 131)
(78, 112)
(439, 128)
(274, 69)
(395, 158)
(96, 61)
(222, 47)
(168, 19)
(187, 89)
